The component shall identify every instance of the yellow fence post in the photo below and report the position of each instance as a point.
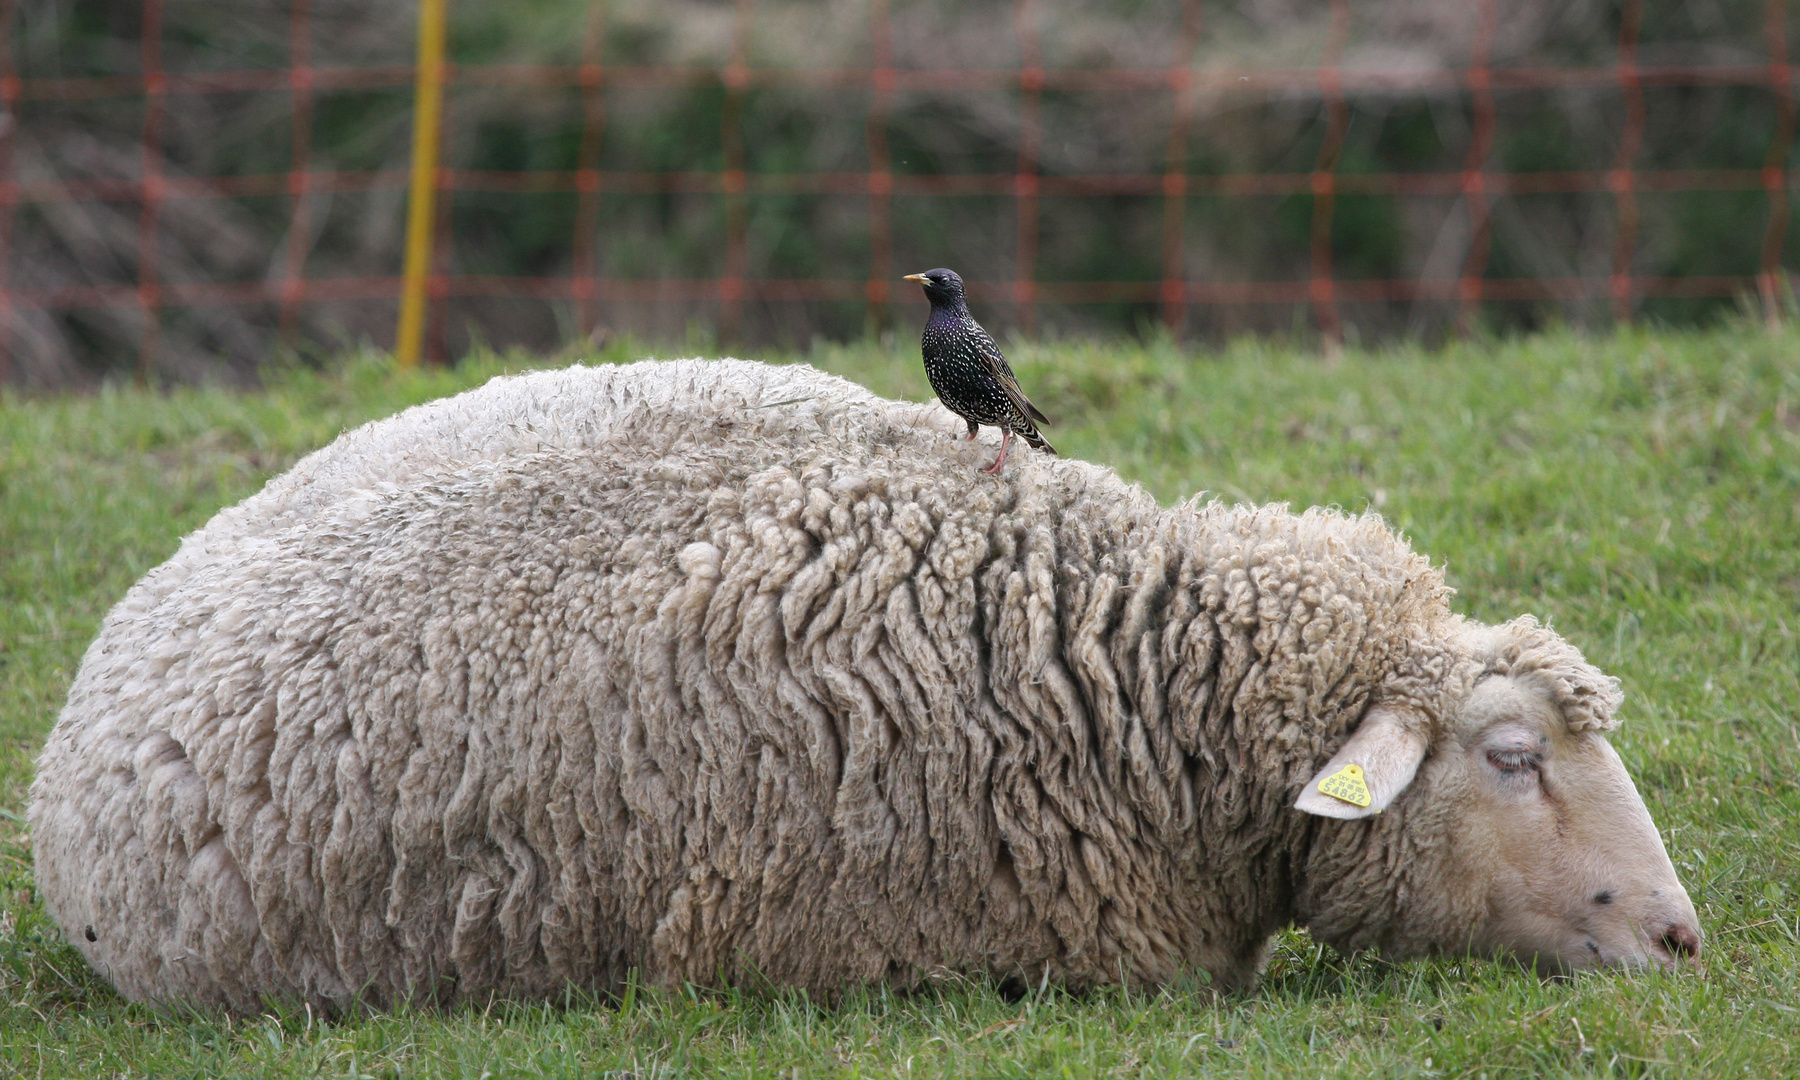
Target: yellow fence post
(428, 112)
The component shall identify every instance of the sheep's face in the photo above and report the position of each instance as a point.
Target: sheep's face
(1524, 836)
(1547, 820)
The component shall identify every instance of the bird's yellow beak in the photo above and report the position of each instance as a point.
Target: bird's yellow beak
(920, 278)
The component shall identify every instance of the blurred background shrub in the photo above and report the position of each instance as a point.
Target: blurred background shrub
(1419, 121)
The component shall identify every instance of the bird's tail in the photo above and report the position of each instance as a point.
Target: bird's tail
(1037, 441)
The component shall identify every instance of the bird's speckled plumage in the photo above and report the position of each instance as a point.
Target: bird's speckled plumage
(967, 370)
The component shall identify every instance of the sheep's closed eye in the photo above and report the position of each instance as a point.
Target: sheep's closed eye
(1513, 762)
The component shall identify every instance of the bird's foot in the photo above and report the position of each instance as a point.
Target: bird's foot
(1005, 438)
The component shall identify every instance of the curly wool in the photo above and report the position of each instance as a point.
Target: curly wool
(721, 671)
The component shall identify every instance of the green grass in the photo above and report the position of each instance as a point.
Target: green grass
(1641, 491)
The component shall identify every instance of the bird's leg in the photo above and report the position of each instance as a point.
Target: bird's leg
(973, 428)
(1005, 437)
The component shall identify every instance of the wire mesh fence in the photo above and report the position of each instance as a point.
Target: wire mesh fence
(1116, 140)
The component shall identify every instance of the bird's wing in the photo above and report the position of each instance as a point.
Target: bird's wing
(1003, 374)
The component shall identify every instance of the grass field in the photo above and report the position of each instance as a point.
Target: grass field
(1640, 491)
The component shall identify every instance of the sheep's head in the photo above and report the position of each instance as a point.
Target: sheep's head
(1512, 826)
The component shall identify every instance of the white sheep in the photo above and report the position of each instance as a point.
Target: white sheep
(722, 671)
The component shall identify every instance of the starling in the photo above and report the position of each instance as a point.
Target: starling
(967, 371)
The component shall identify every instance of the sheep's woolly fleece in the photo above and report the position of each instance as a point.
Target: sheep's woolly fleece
(722, 671)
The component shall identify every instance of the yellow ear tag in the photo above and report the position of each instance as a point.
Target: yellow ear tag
(1347, 785)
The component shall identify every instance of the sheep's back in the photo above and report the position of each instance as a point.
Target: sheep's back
(392, 725)
(738, 672)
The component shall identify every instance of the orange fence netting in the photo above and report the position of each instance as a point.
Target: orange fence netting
(1175, 296)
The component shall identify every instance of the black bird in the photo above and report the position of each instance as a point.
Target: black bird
(968, 372)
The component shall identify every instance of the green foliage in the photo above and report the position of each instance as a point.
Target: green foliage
(1641, 491)
(781, 128)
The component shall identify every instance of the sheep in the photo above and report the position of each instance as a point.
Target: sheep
(727, 673)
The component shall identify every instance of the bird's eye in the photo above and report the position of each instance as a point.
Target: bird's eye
(1513, 762)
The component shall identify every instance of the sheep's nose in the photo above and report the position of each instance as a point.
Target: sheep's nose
(1680, 939)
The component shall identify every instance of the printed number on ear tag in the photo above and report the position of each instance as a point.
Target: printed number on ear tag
(1347, 785)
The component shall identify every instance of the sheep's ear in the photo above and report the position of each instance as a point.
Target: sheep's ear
(1370, 771)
